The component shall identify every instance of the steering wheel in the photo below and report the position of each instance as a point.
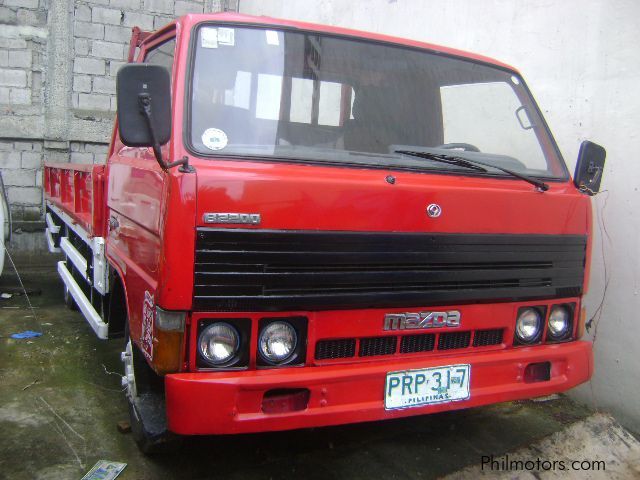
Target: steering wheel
(465, 146)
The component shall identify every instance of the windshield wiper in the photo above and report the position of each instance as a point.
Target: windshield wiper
(474, 165)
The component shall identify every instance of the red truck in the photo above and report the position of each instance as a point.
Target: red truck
(299, 225)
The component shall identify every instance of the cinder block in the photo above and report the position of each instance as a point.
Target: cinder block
(21, 3)
(4, 58)
(160, 21)
(94, 101)
(5, 146)
(114, 67)
(19, 177)
(20, 96)
(106, 15)
(159, 6)
(88, 30)
(113, 33)
(31, 160)
(20, 58)
(4, 95)
(32, 213)
(12, 43)
(104, 85)
(13, 78)
(23, 146)
(56, 156)
(142, 20)
(8, 16)
(25, 195)
(81, 157)
(92, 66)
(125, 4)
(99, 149)
(81, 46)
(81, 83)
(9, 159)
(110, 50)
(31, 17)
(82, 13)
(183, 8)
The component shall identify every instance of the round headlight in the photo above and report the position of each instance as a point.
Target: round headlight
(559, 322)
(528, 325)
(218, 343)
(277, 342)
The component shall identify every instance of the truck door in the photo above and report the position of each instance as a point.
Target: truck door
(136, 193)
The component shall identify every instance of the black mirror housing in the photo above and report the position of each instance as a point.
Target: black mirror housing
(590, 167)
(153, 82)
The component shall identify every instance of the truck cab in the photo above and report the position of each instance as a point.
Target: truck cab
(300, 225)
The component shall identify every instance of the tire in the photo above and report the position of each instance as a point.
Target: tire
(146, 404)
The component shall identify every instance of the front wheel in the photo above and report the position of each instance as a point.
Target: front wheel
(144, 390)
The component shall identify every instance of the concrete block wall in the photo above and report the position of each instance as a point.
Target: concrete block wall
(58, 64)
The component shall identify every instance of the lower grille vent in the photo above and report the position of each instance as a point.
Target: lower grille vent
(330, 349)
(484, 338)
(377, 346)
(417, 343)
(453, 340)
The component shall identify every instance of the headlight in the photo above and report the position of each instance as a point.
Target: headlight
(218, 343)
(528, 325)
(559, 322)
(277, 342)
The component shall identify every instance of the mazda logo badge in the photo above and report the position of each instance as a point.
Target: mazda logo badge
(434, 210)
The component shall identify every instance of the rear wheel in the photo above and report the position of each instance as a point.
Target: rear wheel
(146, 402)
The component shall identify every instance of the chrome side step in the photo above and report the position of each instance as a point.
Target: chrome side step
(93, 318)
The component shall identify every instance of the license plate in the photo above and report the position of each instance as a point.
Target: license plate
(413, 388)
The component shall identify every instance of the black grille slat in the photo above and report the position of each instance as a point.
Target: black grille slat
(239, 269)
(454, 340)
(339, 348)
(485, 338)
(417, 343)
(377, 346)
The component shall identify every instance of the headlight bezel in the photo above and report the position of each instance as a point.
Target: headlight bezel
(238, 361)
(568, 334)
(298, 355)
(541, 311)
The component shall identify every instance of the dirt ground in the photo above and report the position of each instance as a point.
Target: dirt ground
(60, 401)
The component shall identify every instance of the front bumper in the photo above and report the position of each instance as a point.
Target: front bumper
(231, 402)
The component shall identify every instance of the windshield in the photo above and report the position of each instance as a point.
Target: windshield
(311, 97)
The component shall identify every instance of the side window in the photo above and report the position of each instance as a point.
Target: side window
(162, 55)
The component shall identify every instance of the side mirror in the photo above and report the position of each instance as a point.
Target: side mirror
(590, 167)
(137, 83)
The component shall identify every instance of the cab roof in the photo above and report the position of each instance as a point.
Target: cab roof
(186, 22)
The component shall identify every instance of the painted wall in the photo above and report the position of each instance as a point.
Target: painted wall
(581, 61)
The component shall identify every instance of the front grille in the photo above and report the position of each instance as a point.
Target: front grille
(330, 349)
(267, 270)
(453, 340)
(370, 347)
(417, 343)
(484, 338)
